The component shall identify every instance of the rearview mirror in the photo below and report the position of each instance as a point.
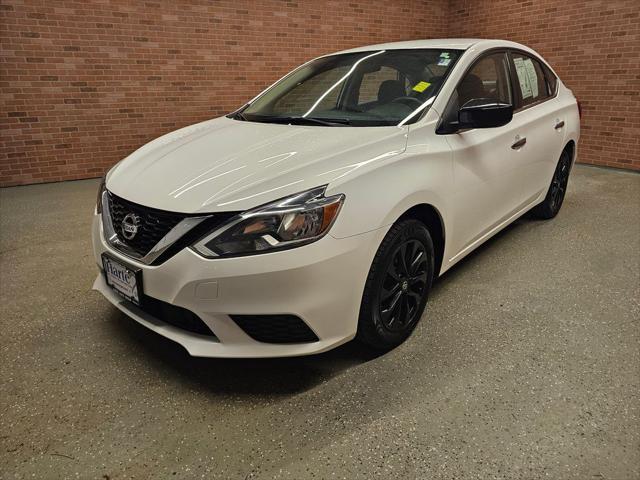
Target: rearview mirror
(484, 113)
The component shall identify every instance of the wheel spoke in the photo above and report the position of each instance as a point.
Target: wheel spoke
(394, 270)
(418, 282)
(388, 292)
(392, 306)
(394, 275)
(416, 262)
(393, 312)
(403, 259)
(411, 248)
(405, 310)
(420, 278)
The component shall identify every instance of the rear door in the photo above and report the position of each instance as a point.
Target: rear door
(537, 121)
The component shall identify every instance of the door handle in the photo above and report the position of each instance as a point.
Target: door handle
(519, 143)
(559, 124)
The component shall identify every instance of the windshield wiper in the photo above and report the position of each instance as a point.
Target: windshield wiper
(238, 116)
(327, 122)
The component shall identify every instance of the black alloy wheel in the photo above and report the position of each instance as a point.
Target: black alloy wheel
(404, 285)
(559, 182)
(550, 206)
(398, 285)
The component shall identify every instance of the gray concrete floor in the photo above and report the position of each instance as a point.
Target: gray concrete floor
(526, 365)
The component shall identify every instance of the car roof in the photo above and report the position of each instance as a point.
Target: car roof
(439, 43)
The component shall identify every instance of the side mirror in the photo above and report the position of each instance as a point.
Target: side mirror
(484, 113)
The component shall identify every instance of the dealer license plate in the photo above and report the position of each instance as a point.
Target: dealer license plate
(125, 280)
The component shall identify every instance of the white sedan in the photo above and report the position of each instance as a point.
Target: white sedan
(322, 210)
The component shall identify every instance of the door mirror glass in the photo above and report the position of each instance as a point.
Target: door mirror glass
(484, 113)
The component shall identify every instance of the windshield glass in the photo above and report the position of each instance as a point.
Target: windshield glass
(356, 89)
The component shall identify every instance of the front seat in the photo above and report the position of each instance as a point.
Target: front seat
(389, 90)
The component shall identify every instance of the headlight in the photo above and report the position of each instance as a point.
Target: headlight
(99, 199)
(290, 222)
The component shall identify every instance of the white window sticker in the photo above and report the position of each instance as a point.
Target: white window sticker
(523, 78)
(533, 77)
(444, 62)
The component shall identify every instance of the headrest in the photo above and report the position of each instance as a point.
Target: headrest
(390, 90)
(471, 87)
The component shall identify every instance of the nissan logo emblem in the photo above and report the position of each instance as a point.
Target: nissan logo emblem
(130, 225)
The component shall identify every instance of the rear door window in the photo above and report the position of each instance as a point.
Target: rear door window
(530, 79)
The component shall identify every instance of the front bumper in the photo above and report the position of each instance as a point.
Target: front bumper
(321, 283)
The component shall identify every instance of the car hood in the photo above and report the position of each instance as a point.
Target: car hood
(229, 165)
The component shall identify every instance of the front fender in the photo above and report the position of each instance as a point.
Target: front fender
(379, 197)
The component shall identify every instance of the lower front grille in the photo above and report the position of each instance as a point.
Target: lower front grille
(275, 328)
(173, 315)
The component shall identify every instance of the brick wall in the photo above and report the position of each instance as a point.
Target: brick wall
(595, 48)
(84, 83)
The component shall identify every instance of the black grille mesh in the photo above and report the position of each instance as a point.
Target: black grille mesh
(154, 224)
(275, 328)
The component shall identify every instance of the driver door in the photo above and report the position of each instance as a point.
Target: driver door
(487, 170)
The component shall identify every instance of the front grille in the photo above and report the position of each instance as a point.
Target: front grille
(154, 224)
(275, 328)
(173, 315)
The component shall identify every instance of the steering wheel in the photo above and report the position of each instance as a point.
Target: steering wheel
(407, 101)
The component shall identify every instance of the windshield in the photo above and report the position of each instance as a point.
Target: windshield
(355, 89)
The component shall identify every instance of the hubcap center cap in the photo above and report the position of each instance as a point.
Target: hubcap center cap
(404, 285)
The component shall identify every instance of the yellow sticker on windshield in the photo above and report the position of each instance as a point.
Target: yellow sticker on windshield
(421, 86)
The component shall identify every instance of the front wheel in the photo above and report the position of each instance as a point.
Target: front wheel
(551, 204)
(397, 287)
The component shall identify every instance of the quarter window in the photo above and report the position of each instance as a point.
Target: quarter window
(530, 78)
(552, 80)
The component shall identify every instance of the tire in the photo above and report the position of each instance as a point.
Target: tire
(551, 204)
(396, 292)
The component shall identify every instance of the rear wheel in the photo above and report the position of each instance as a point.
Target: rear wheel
(397, 287)
(550, 206)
